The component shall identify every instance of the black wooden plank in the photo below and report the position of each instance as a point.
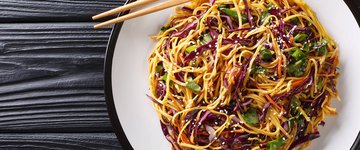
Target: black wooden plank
(53, 10)
(59, 141)
(51, 78)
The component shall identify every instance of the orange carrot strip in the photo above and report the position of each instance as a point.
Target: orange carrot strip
(291, 39)
(298, 82)
(328, 75)
(239, 131)
(272, 101)
(317, 36)
(279, 67)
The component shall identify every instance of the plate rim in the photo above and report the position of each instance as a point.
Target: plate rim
(109, 54)
(109, 98)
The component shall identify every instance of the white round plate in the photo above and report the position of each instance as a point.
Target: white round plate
(126, 80)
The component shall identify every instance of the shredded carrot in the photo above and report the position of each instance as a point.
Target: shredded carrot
(334, 68)
(234, 131)
(327, 75)
(291, 39)
(272, 101)
(298, 82)
(279, 67)
(176, 104)
(317, 36)
(185, 139)
(239, 131)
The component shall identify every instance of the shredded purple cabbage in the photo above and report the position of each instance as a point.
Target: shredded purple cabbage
(179, 76)
(240, 29)
(214, 34)
(316, 104)
(211, 46)
(200, 50)
(199, 122)
(184, 32)
(235, 141)
(187, 9)
(285, 125)
(153, 100)
(250, 18)
(287, 9)
(304, 85)
(164, 128)
(284, 38)
(247, 102)
(242, 75)
(275, 12)
(212, 2)
(263, 111)
(278, 12)
(160, 89)
(297, 28)
(228, 21)
(332, 84)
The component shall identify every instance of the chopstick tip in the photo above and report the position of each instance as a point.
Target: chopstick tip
(97, 26)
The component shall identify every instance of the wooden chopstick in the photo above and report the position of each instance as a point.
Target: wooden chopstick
(142, 12)
(123, 8)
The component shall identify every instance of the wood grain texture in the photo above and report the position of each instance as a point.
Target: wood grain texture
(59, 141)
(53, 10)
(51, 78)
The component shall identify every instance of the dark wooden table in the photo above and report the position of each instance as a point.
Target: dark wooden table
(51, 75)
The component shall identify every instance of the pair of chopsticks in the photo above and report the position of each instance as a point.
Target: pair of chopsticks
(161, 6)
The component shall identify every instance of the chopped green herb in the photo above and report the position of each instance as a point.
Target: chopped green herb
(165, 76)
(264, 16)
(297, 68)
(306, 47)
(251, 116)
(291, 121)
(275, 144)
(320, 84)
(301, 122)
(206, 39)
(307, 111)
(222, 6)
(165, 28)
(294, 20)
(191, 48)
(244, 18)
(191, 84)
(193, 63)
(298, 54)
(158, 68)
(258, 70)
(229, 12)
(261, 70)
(323, 48)
(266, 54)
(294, 104)
(270, 5)
(312, 46)
(300, 37)
(233, 14)
(233, 103)
(325, 42)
